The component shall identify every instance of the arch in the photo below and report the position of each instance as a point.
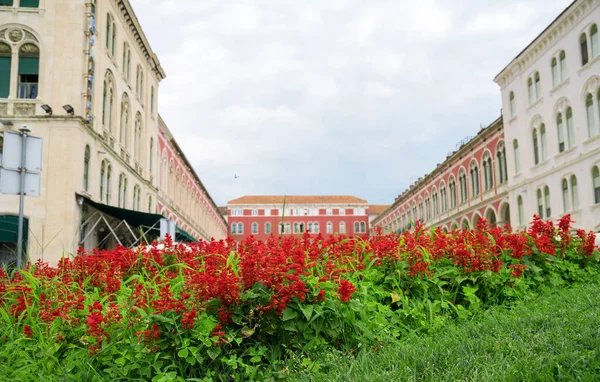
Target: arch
(454, 226)
(591, 85)
(108, 100)
(475, 219)
(504, 213)
(490, 216)
(465, 224)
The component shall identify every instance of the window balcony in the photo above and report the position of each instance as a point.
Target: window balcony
(18, 107)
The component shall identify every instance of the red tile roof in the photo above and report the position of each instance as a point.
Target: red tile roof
(378, 208)
(291, 199)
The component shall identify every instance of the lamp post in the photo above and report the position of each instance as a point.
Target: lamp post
(24, 131)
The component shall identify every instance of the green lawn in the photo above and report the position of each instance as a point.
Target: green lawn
(554, 337)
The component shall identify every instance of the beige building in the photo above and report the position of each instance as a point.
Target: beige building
(81, 75)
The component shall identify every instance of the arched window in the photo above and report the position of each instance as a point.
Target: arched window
(434, 201)
(363, 227)
(151, 156)
(234, 228)
(268, 228)
(462, 182)
(563, 65)
(570, 128)
(114, 40)
(543, 142)
(152, 100)
(240, 228)
(488, 175)
(594, 38)
(591, 116)
(452, 187)
(124, 66)
(427, 209)
(555, 74)
(520, 211)
(560, 132)
(109, 24)
(536, 151)
(474, 179)
(565, 195)
(517, 156)
(254, 228)
(547, 201)
(329, 227)
(136, 198)
(108, 100)
(124, 128)
(29, 68)
(281, 228)
(316, 227)
(137, 138)
(421, 216)
(342, 227)
(122, 201)
(537, 85)
(86, 168)
(540, 203)
(288, 228)
(356, 227)
(443, 199)
(596, 184)
(530, 90)
(584, 49)
(511, 102)
(574, 193)
(5, 69)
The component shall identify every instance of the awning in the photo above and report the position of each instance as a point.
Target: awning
(9, 226)
(184, 237)
(134, 218)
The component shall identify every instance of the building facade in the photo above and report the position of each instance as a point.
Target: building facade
(551, 98)
(81, 75)
(470, 184)
(263, 216)
(182, 197)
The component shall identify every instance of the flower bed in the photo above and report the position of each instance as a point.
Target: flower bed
(211, 311)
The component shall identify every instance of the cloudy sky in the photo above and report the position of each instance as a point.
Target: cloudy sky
(356, 97)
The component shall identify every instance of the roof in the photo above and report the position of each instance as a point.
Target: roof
(378, 208)
(293, 199)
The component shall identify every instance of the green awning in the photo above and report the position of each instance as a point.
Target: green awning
(29, 65)
(133, 218)
(9, 226)
(184, 237)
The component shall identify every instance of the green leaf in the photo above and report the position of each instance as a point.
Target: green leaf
(213, 352)
(183, 353)
(247, 332)
(289, 314)
(307, 310)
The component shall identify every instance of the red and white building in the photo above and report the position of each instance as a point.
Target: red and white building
(470, 184)
(182, 197)
(263, 216)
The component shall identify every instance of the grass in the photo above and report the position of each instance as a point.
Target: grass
(553, 337)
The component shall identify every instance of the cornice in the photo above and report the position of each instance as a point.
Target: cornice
(562, 25)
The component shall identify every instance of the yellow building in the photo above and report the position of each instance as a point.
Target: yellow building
(81, 75)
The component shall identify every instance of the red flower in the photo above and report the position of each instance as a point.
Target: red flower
(187, 321)
(27, 331)
(346, 290)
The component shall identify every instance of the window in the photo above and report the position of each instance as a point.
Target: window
(452, 187)
(102, 176)
(108, 28)
(29, 66)
(421, 211)
(596, 184)
(151, 157)
(520, 210)
(462, 181)
(342, 227)
(152, 100)
(589, 105)
(108, 100)
(234, 229)
(5, 69)
(122, 201)
(254, 212)
(108, 174)
(563, 65)
(555, 74)
(86, 167)
(543, 142)
(547, 201)
(329, 212)
(594, 38)
(536, 152)
(329, 227)
(316, 227)
(511, 102)
(363, 227)
(124, 128)
(29, 3)
(149, 204)
(474, 179)
(281, 228)
(565, 195)
(356, 227)
(342, 212)
(255, 228)
(136, 198)
(570, 128)
(137, 136)
(530, 90)
(427, 209)
(139, 83)
(537, 85)
(309, 227)
(443, 198)
(517, 158)
(560, 133)
(434, 201)
(296, 227)
(540, 203)
(574, 193)
(240, 228)
(584, 49)
(488, 171)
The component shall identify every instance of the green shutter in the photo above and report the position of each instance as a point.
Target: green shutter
(30, 3)
(6, 2)
(4, 76)
(29, 65)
